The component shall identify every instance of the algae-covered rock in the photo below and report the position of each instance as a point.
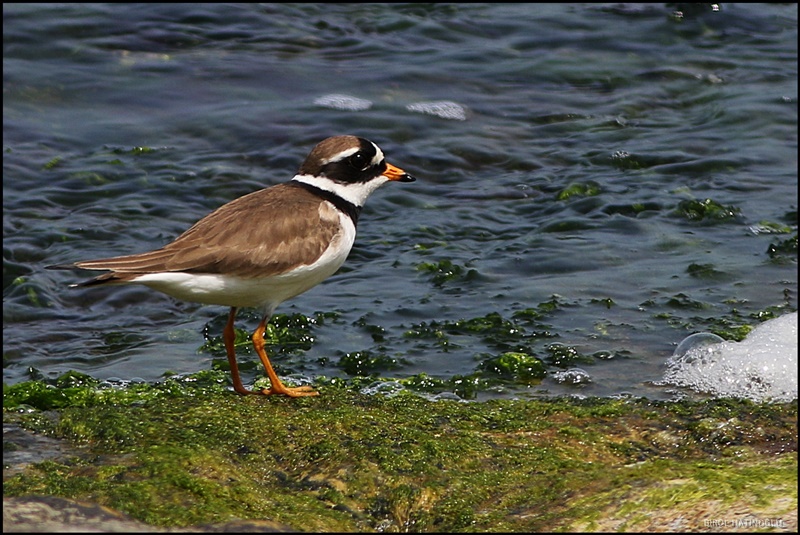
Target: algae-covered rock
(188, 452)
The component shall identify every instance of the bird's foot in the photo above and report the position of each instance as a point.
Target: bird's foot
(292, 392)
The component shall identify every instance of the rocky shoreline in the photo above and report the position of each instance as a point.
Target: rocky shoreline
(196, 458)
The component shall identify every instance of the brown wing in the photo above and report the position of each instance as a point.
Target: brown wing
(264, 233)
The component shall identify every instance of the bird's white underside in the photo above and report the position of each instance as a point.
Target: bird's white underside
(265, 293)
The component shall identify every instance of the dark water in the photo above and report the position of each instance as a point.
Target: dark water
(607, 179)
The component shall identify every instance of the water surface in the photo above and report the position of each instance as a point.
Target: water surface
(607, 179)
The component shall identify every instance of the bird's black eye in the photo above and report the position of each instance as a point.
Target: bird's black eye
(359, 161)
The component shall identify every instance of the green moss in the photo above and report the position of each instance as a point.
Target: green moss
(730, 331)
(623, 160)
(704, 271)
(74, 389)
(690, 495)
(445, 271)
(422, 382)
(564, 356)
(589, 189)
(733, 325)
(515, 365)
(606, 302)
(193, 453)
(631, 210)
(493, 329)
(684, 302)
(286, 333)
(706, 210)
(771, 227)
(367, 363)
(90, 178)
(53, 163)
(783, 249)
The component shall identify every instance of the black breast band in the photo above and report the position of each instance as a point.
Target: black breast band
(345, 206)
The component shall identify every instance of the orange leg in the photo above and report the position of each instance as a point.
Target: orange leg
(277, 387)
(228, 335)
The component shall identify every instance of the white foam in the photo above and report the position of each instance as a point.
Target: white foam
(442, 108)
(762, 367)
(343, 102)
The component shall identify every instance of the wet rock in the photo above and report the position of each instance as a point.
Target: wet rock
(49, 514)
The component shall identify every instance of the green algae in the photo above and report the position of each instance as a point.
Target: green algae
(187, 452)
(515, 334)
(705, 271)
(706, 210)
(772, 227)
(783, 249)
(53, 163)
(74, 389)
(633, 209)
(693, 497)
(367, 363)
(564, 356)
(525, 334)
(286, 334)
(32, 291)
(732, 325)
(516, 365)
(588, 189)
(445, 271)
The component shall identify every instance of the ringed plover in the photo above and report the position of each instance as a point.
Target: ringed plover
(265, 247)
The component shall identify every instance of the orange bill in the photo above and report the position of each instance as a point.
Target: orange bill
(395, 173)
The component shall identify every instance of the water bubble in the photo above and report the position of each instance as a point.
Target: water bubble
(451, 396)
(696, 342)
(572, 376)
